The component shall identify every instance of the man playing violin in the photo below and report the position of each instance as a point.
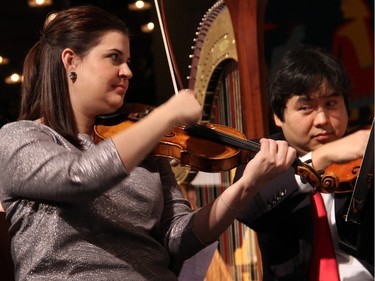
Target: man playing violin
(308, 94)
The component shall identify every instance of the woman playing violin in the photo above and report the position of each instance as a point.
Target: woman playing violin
(107, 211)
(308, 94)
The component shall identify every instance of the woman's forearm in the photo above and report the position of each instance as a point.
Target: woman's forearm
(214, 218)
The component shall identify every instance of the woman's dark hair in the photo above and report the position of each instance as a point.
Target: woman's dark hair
(45, 91)
(302, 71)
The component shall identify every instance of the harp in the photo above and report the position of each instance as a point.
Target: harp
(227, 73)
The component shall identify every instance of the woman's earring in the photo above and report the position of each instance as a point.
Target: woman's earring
(73, 76)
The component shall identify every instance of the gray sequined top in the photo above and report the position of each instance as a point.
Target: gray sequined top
(78, 215)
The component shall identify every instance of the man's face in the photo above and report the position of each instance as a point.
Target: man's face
(310, 121)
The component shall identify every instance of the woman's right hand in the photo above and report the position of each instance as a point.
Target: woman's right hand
(184, 108)
(181, 109)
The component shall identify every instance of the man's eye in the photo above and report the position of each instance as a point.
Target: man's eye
(331, 103)
(305, 108)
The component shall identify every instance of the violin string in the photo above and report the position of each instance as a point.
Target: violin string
(228, 139)
(203, 131)
(308, 174)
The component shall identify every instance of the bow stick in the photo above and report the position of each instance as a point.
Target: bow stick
(168, 51)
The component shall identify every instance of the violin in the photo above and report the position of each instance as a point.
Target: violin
(203, 146)
(341, 178)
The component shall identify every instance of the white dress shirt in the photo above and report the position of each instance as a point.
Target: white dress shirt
(349, 267)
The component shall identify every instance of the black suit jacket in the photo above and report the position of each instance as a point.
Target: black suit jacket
(281, 216)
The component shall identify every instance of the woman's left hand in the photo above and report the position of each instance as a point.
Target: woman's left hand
(274, 158)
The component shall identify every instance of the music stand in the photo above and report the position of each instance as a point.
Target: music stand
(361, 207)
(363, 184)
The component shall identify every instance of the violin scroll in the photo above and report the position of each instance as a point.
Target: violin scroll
(340, 178)
(307, 174)
(330, 182)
